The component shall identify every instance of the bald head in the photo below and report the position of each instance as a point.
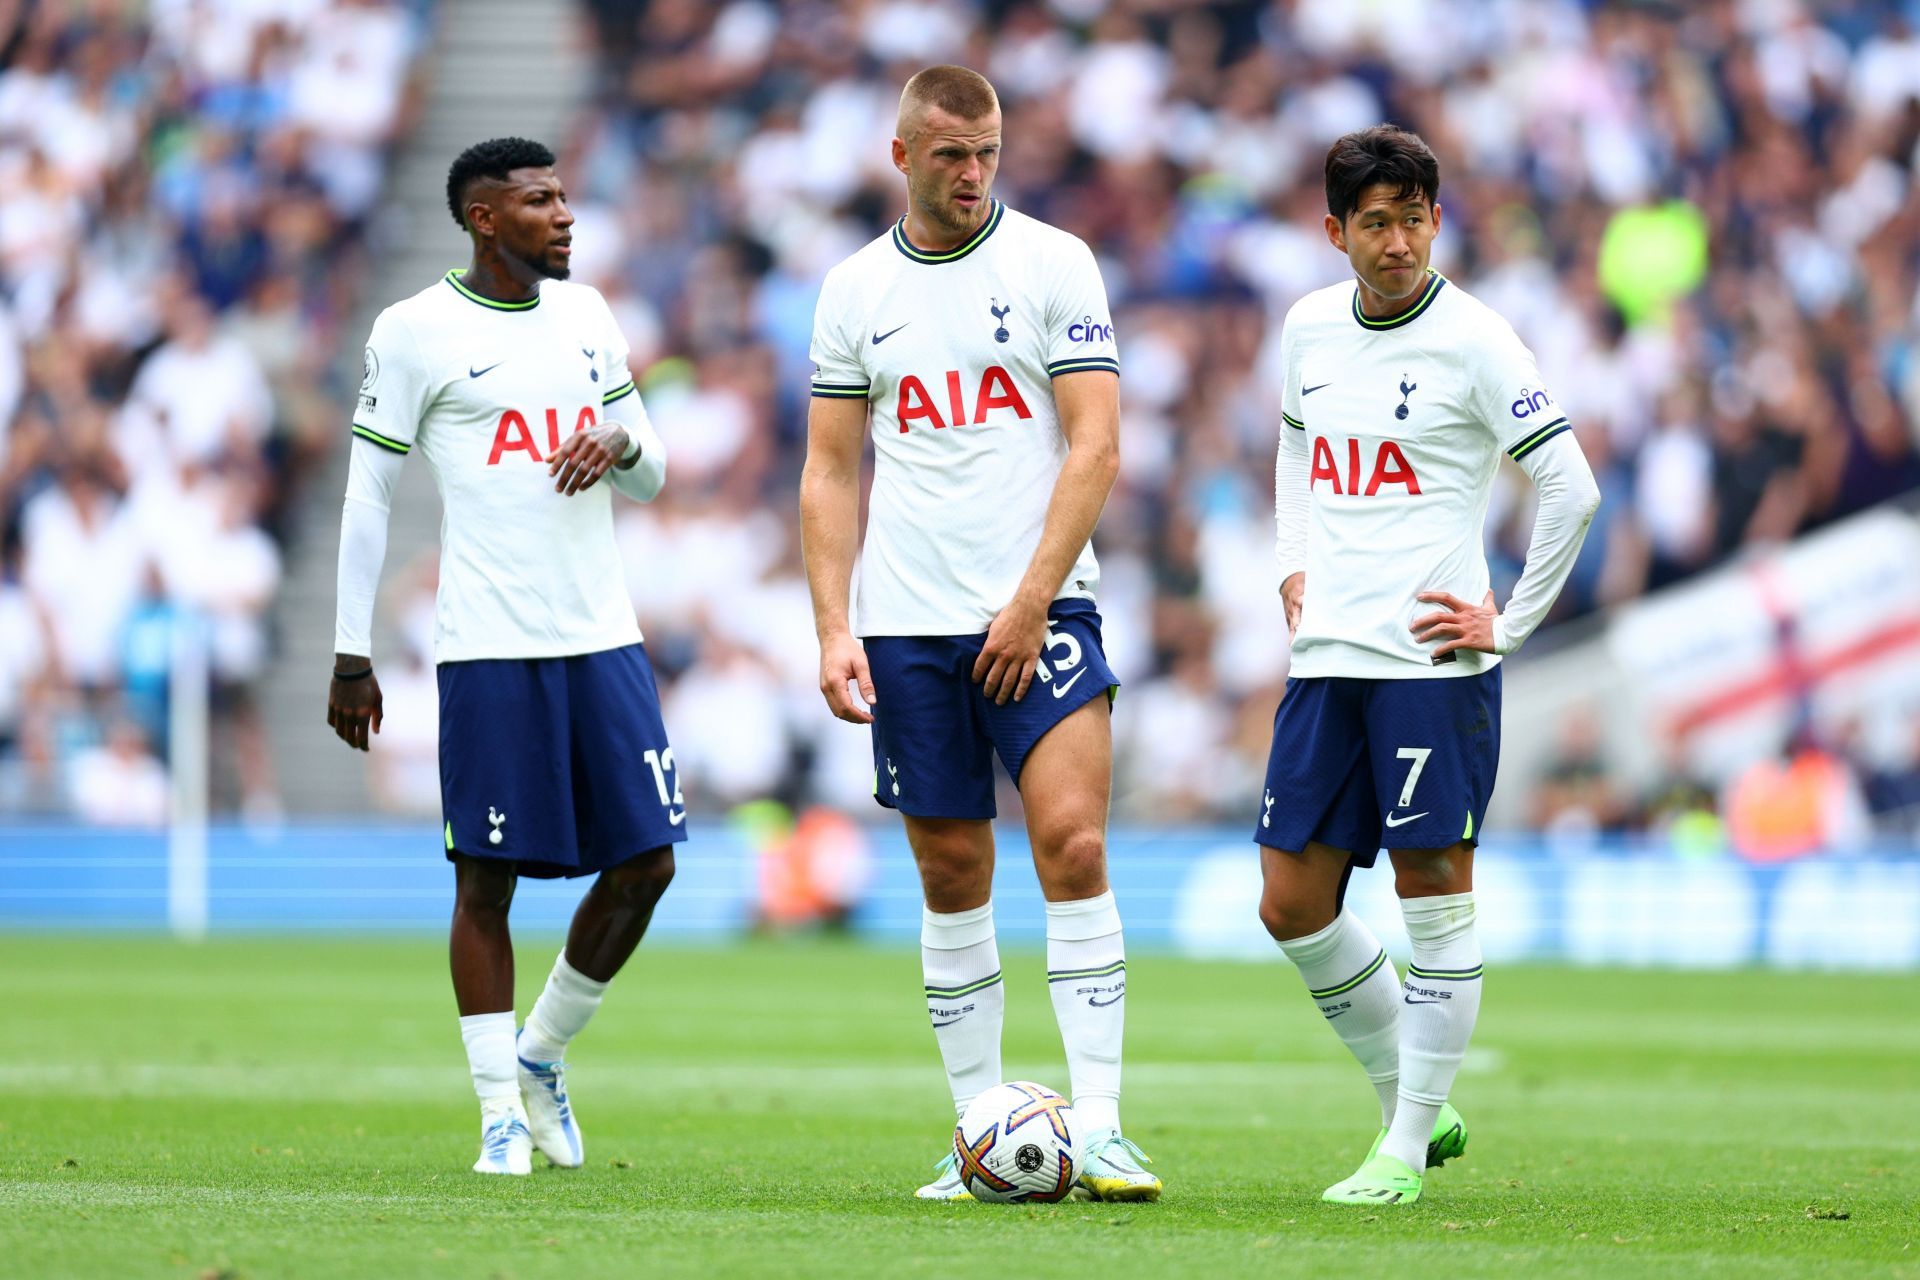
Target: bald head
(958, 92)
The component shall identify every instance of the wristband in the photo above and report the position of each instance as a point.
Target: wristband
(361, 674)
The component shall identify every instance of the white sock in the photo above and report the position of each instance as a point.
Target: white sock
(489, 1038)
(1351, 980)
(1442, 1000)
(565, 1004)
(1087, 978)
(965, 1000)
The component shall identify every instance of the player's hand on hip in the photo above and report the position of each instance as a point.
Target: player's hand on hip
(585, 456)
(1458, 625)
(353, 705)
(1008, 659)
(1292, 592)
(843, 663)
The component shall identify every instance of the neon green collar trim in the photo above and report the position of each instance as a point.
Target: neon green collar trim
(1435, 283)
(453, 278)
(973, 241)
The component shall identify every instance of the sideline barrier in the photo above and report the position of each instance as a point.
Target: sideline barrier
(1193, 892)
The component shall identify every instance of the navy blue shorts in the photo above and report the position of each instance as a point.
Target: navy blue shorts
(935, 733)
(558, 765)
(1358, 761)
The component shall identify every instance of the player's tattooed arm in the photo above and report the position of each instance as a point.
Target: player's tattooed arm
(829, 535)
(353, 699)
(585, 456)
(1089, 407)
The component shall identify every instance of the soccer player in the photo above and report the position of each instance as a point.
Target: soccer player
(553, 759)
(1401, 394)
(977, 343)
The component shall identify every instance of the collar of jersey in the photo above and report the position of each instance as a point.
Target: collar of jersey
(973, 241)
(1435, 283)
(453, 278)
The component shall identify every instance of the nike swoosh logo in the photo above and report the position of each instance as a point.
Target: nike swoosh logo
(1098, 1003)
(1401, 822)
(879, 338)
(1307, 391)
(1060, 690)
(949, 1022)
(1331, 1016)
(677, 818)
(1411, 1000)
(474, 373)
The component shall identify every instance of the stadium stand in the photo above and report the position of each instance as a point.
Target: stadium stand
(182, 234)
(1703, 218)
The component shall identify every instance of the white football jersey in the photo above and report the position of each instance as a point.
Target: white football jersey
(955, 354)
(487, 390)
(1404, 421)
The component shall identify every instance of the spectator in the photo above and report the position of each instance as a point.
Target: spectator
(178, 222)
(122, 783)
(1762, 384)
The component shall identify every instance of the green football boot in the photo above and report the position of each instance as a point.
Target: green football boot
(1381, 1180)
(1449, 1140)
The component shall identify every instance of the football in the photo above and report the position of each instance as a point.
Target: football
(1017, 1144)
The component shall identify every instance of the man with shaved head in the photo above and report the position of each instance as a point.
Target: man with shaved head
(977, 345)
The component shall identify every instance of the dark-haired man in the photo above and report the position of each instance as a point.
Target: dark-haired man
(1402, 393)
(553, 758)
(977, 343)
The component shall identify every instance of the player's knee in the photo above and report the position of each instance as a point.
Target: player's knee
(1287, 919)
(642, 880)
(1074, 864)
(952, 878)
(1430, 873)
(483, 889)
(952, 869)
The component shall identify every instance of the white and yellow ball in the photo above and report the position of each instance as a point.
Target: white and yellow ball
(1017, 1144)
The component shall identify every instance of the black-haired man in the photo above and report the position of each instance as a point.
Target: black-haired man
(1401, 394)
(553, 758)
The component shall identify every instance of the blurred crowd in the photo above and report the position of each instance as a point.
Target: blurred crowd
(1703, 218)
(184, 187)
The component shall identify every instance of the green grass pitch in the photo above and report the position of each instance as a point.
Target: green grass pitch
(301, 1108)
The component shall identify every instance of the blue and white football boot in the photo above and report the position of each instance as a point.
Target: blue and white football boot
(543, 1090)
(505, 1145)
(946, 1184)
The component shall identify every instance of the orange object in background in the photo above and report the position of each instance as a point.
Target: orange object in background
(1807, 803)
(813, 870)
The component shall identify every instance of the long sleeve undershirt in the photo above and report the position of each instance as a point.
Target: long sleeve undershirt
(1568, 499)
(371, 474)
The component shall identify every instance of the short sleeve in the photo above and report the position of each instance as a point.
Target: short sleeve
(1514, 399)
(1079, 323)
(838, 373)
(615, 374)
(395, 387)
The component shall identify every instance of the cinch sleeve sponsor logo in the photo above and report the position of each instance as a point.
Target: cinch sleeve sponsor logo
(1086, 329)
(1530, 402)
